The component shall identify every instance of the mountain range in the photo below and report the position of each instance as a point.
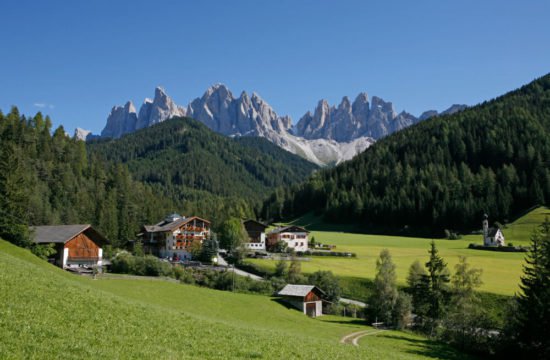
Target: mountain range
(327, 136)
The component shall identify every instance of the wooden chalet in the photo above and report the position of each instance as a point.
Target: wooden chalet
(296, 237)
(306, 298)
(256, 235)
(175, 237)
(76, 245)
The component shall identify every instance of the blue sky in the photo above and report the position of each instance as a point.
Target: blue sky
(74, 60)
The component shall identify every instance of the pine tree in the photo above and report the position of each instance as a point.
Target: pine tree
(14, 196)
(438, 279)
(526, 332)
(419, 286)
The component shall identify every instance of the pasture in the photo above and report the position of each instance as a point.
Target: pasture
(501, 271)
(48, 313)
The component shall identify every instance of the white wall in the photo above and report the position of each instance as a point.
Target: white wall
(256, 246)
(294, 242)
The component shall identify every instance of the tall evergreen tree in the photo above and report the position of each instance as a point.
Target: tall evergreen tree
(14, 196)
(419, 286)
(438, 291)
(526, 332)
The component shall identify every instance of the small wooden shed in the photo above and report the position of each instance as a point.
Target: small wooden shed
(76, 245)
(307, 298)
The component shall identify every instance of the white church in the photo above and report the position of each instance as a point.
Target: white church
(491, 236)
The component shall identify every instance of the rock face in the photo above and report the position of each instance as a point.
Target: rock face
(222, 112)
(350, 121)
(124, 120)
(329, 135)
(154, 111)
(81, 134)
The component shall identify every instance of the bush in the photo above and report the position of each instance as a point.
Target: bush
(43, 251)
(149, 265)
(123, 263)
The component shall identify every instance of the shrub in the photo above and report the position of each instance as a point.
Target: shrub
(43, 251)
(123, 263)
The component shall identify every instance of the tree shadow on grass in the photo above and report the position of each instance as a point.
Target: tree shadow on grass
(283, 303)
(350, 322)
(428, 348)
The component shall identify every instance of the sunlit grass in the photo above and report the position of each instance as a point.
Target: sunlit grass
(47, 313)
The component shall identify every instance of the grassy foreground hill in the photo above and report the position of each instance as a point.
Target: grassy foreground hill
(48, 313)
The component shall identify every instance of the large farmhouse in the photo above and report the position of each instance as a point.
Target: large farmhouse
(256, 235)
(76, 245)
(175, 236)
(295, 237)
(306, 298)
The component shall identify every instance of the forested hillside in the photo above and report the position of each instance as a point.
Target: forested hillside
(50, 178)
(184, 160)
(179, 165)
(440, 174)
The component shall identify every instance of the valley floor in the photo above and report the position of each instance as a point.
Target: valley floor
(501, 270)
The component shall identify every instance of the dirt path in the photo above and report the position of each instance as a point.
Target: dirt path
(353, 338)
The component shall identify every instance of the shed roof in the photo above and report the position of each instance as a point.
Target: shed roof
(298, 290)
(58, 233)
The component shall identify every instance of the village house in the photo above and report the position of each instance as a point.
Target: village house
(306, 298)
(75, 245)
(175, 237)
(295, 237)
(491, 236)
(256, 235)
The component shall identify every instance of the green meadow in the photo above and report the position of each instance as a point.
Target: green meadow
(47, 313)
(501, 271)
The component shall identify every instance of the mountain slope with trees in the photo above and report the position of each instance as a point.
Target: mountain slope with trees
(442, 173)
(183, 156)
(48, 179)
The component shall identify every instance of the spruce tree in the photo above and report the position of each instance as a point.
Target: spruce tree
(438, 279)
(418, 286)
(526, 332)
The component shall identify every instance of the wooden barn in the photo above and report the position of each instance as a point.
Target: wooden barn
(76, 245)
(306, 298)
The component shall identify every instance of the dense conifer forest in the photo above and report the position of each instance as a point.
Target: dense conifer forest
(48, 178)
(442, 173)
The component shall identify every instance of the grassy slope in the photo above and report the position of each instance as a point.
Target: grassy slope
(501, 271)
(45, 312)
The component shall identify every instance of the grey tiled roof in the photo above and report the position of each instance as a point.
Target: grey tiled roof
(297, 290)
(57, 233)
(289, 228)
